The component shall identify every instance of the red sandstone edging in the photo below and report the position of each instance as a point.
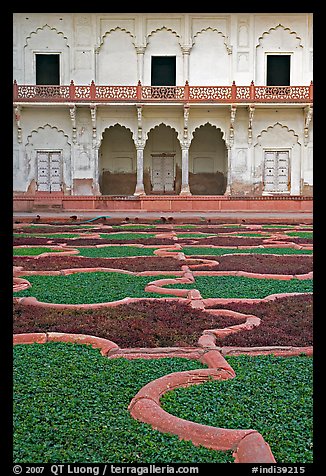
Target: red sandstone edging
(280, 351)
(145, 406)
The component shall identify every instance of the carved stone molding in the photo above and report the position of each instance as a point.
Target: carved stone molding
(232, 119)
(251, 110)
(139, 120)
(17, 111)
(186, 111)
(308, 111)
(72, 112)
(93, 117)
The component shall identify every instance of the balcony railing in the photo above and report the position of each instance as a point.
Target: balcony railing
(189, 94)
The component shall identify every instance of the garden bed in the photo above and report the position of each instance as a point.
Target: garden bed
(286, 321)
(262, 264)
(87, 287)
(202, 252)
(135, 264)
(71, 404)
(146, 323)
(243, 288)
(271, 394)
(89, 241)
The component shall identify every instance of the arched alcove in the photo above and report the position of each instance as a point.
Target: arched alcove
(117, 49)
(47, 41)
(163, 42)
(117, 161)
(277, 41)
(277, 159)
(162, 161)
(209, 61)
(48, 160)
(207, 161)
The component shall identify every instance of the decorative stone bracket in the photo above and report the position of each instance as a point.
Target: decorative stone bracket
(186, 110)
(72, 112)
(232, 119)
(251, 109)
(17, 111)
(139, 121)
(308, 111)
(93, 117)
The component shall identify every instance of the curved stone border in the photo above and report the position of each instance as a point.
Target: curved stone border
(20, 284)
(247, 445)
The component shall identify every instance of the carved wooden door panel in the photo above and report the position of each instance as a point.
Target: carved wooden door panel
(283, 171)
(43, 172)
(163, 174)
(276, 171)
(158, 185)
(168, 175)
(49, 170)
(55, 171)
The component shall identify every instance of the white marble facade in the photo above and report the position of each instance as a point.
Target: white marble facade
(246, 144)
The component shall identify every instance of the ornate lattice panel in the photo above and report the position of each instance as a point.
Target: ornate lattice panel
(116, 93)
(163, 92)
(282, 93)
(210, 93)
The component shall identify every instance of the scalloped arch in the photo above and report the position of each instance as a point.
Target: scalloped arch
(264, 131)
(116, 28)
(218, 128)
(42, 28)
(111, 126)
(160, 29)
(163, 124)
(274, 28)
(43, 127)
(210, 28)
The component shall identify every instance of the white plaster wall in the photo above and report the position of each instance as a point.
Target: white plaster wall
(209, 61)
(117, 59)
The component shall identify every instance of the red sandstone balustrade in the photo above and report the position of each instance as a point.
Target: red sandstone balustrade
(191, 94)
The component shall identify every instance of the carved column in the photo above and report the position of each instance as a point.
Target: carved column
(96, 176)
(140, 190)
(140, 50)
(185, 190)
(185, 53)
(185, 144)
(228, 190)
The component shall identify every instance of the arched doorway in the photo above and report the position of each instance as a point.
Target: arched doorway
(162, 161)
(117, 162)
(208, 163)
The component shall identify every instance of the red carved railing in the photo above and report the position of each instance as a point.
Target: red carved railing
(219, 94)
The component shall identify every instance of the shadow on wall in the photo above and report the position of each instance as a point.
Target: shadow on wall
(118, 183)
(207, 183)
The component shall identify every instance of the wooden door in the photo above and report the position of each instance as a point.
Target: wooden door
(49, 171)
(163, 174)
(276, 171)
